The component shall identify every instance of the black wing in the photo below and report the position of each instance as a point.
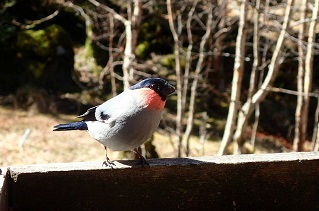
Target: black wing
(89, 115)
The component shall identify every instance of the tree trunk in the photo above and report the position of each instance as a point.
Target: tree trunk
(131, 34)
(218, 50)
(308, 76)
(128, 55)
(237, 80)
(252, 83)
(301, 68)
(130, 37)
(315, 135)
(112, 73)
(191, 109)
(248, 107)
(179, 77)
(189, 59)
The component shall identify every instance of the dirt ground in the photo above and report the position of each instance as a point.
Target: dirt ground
(27, 138)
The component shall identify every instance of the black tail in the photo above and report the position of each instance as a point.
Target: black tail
(71, 126)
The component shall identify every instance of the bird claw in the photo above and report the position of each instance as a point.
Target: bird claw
(144, 162)
(108, 163)
(142, 158)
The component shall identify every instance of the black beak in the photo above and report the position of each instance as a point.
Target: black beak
(169, 89)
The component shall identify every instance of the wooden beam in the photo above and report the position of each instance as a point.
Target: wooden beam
(242, 182)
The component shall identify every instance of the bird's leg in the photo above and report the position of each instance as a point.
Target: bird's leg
(142, 158)
(107, 162)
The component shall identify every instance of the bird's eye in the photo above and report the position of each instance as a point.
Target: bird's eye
(154, 87)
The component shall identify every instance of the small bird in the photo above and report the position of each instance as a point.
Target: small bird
(127, 120)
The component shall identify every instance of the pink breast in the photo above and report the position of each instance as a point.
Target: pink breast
(151, 99)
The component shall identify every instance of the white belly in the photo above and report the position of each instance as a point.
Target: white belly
(126, 133)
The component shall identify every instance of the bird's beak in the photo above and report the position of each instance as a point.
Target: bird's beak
(169, 89)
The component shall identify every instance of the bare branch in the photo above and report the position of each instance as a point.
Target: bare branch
(292, 92)
(303, 21)
(249, 106)
(188, 54)
(191, 109)
(110, 10)
(178, 75)
(32, 24)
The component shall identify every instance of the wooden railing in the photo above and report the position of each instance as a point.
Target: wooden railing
(243, 182)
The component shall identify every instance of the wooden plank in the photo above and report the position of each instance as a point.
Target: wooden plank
(243, 182)
(3, 189)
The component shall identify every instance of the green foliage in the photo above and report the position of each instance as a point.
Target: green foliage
(85, 59)
(40, 44)
(168, 61)
(43, 55)
(151, 38)
(34, 56)
(142, 49)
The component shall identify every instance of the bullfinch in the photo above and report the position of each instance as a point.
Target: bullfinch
(127, 120)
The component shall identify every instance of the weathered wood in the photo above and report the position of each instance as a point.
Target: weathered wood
(243, 182)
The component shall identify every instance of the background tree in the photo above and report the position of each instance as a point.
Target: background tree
(256, 63)
(131, 24)
(197, 73)
(175, 33)
(308, 76)
(223, 56)
(237, 80)
(299, 135)
(248, 107)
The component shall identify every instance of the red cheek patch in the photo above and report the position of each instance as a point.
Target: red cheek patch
(151, 99)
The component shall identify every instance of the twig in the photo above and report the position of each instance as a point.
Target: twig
(24, 137)
(291, 92)
(34, 23)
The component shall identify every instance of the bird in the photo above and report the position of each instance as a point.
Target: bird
(127, 120)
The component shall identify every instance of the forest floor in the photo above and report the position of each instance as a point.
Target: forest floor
(27, 138)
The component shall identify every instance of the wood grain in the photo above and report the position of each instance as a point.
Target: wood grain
(242, 182)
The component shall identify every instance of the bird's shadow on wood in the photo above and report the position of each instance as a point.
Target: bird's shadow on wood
(156, 162)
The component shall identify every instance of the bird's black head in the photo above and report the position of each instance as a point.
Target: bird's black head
(159, 85)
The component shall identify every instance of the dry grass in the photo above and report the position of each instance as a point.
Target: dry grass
(45, 146)
(42, 145)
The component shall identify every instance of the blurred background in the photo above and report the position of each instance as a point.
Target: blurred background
(245, 72)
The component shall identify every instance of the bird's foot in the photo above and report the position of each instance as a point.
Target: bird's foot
(108, 163)
(144, 162)
(142, 158)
